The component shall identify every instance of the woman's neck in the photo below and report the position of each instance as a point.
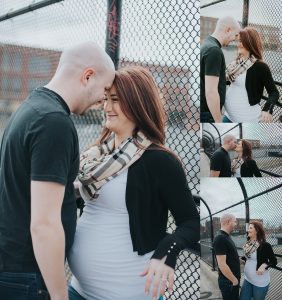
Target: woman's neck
(240, 154)
(253, 238)
(246, 55)
(119, 138)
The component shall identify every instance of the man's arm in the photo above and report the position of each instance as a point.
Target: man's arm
(221, 261)
(212, 96)
(48, 236)
(214, 173)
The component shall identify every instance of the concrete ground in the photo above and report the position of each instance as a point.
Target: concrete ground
(209, 287)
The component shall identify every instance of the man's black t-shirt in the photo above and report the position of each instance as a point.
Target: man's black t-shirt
(212, 63)
(39, 143)
(220, 161)
(224, 245)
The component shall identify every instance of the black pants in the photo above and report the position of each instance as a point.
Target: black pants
(22, 286)
(228, 291)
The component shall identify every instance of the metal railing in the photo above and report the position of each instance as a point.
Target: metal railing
(266, 140)
(252, 209)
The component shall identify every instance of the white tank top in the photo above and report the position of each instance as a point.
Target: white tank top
(251, 275)
(102, 260)
(237, 106)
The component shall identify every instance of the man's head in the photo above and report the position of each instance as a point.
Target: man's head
(228, 222)
(229, 142)
(227, 30)
(84, 72)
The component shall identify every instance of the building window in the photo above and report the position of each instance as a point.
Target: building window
(13, 84)
(39, 64)
(11, 62)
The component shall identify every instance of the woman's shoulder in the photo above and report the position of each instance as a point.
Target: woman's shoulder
(260, 65)
(159, 154)
(250, 161)
(161, 158)
(265, 245)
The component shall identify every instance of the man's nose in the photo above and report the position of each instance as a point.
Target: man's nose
(107, 106)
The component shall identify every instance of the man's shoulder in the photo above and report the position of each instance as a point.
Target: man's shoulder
(44, 103)
(210, 46)
(219, 241)
(218, 152)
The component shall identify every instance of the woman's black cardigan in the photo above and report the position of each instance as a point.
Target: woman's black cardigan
(265, 255)
(259, 77)
(249, 169)
(156, 184)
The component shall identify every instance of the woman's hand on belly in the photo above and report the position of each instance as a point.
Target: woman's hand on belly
(261, 269)
(159, 275)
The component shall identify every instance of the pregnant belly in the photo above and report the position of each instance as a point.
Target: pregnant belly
(102, 259)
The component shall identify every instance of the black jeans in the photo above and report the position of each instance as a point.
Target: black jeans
(228, 291)
(22, 286)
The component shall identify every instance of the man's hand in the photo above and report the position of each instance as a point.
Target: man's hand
(235, 281)
(158, 274)
(266, 117)
(261, 269)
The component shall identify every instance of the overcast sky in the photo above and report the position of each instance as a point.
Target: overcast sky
(261, 11)
(223, 192)
(165, 31)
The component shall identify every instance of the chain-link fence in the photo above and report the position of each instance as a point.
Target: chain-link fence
(162, 36)
(248, 199)
(265, 139)
(266, 17)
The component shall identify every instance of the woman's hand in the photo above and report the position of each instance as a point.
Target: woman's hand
(242, 261)
(76, 185)
(159, 275)
(266, 117)
(261, 269)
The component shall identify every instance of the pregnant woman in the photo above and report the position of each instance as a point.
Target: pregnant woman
(248, 75)
(244, 165)
(130, 181)
(258, 257)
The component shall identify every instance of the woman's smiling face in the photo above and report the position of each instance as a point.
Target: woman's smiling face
(116, 120)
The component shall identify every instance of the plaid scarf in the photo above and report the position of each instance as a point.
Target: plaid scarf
(238, 67)
(250, 247)
(236, 164)
(100, 163)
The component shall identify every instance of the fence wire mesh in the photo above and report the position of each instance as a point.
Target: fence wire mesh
(266, 17)
(265, 208)
(265, 138)
(162, 36)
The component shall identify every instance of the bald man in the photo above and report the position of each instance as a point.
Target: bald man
(212, 69)
(220, 161)
(227, 259)
(39, 162)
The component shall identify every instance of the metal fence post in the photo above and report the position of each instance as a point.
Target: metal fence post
(240, 131)
(113, 30)
(245, 19)
(247, 206)
(212, 234)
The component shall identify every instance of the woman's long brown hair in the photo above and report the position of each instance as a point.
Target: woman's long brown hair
(139, 100)
(251, 40)
(260, 231)
(247, 150)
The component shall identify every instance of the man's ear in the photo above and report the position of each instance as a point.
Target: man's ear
(228, 29)
(88, 73)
